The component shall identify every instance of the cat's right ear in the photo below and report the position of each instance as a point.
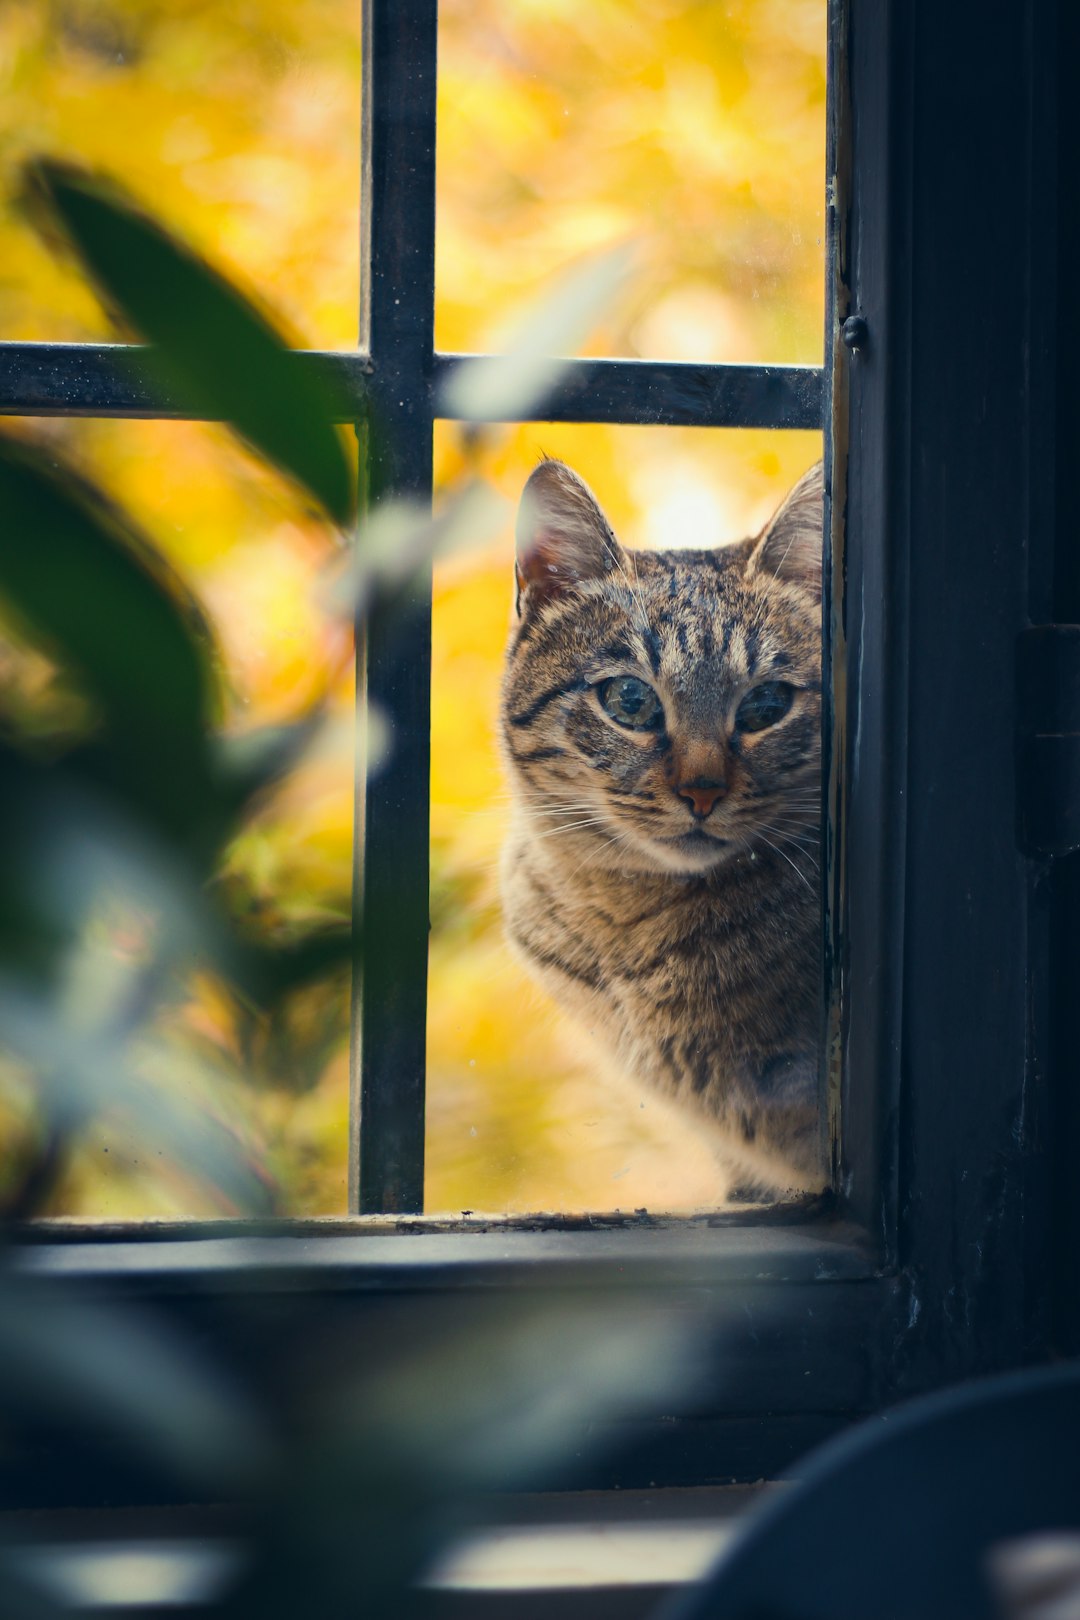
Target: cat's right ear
(562, 535)
(790, 545)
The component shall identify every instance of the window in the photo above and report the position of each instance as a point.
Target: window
(388, 1168)
(777, 242)
(939, 390)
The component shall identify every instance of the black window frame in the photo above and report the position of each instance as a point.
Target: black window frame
(949, 1007)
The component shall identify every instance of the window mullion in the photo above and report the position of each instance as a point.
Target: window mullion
(394, 649)
(118, 380)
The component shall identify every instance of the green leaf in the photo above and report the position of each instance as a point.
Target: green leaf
(215, 352)
(101, 599)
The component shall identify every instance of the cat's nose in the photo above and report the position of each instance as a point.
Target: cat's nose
(701, 796)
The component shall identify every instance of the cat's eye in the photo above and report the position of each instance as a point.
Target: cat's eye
(764, 705)
(631, 703)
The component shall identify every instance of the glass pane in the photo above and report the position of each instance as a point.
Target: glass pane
(270, 1088)
(522, 1115)
(239, 125)
(696, 132)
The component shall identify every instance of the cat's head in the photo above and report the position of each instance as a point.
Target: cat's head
(664, 708)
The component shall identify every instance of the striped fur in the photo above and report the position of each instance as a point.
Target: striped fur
(662, 884)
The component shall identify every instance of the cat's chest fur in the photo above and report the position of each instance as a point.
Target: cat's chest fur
(704, 989)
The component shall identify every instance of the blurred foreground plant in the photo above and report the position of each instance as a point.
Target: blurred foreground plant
(118, 815)
(113, 822)
(112, 835)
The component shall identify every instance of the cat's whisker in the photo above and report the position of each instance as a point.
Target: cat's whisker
(794, 818)
(567, 809)
(503, 803)
(538, 813)
(638, 595)
(546, 827)
(790, 792)
(784, 856)
(611, 839)
(588, 859)
(595, 854)
(801, 853)
(804, 855)
(812, 864)
(502, 813)
(633, 587)
(573, 826)
(798, 828)
(802, 813)
(799, 796)
(808, 840)
(541, 816)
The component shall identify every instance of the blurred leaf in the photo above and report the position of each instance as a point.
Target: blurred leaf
(264, 972)
(109, 1372)
(103, 600)
(67, 852)
(249, 764)
(34, 1175)
(33, 932)
(215, 352)
(86, 1072)
(22, 1596)
(99, 927)
(402, 537)
(532, 356)
(98, 597)
(288, 1038)
(446, 1398)
(526, 1376)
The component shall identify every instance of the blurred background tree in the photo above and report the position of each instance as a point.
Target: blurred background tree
(697, 131)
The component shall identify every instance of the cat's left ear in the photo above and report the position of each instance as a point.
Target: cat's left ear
(790, 544)
(563, 536)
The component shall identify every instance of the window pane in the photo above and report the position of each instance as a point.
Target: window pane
(519, 1115)
(270, 1088)
(695, 131)
(240, 125)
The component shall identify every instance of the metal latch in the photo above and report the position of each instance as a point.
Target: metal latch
(1048, 745)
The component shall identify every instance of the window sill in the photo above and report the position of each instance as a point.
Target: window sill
(378, 1251)
(791, 1325)
(555, 1555)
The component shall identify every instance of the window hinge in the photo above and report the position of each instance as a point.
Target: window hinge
(1048, 744)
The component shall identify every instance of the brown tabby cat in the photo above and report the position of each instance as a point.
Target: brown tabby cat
(660, 720)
